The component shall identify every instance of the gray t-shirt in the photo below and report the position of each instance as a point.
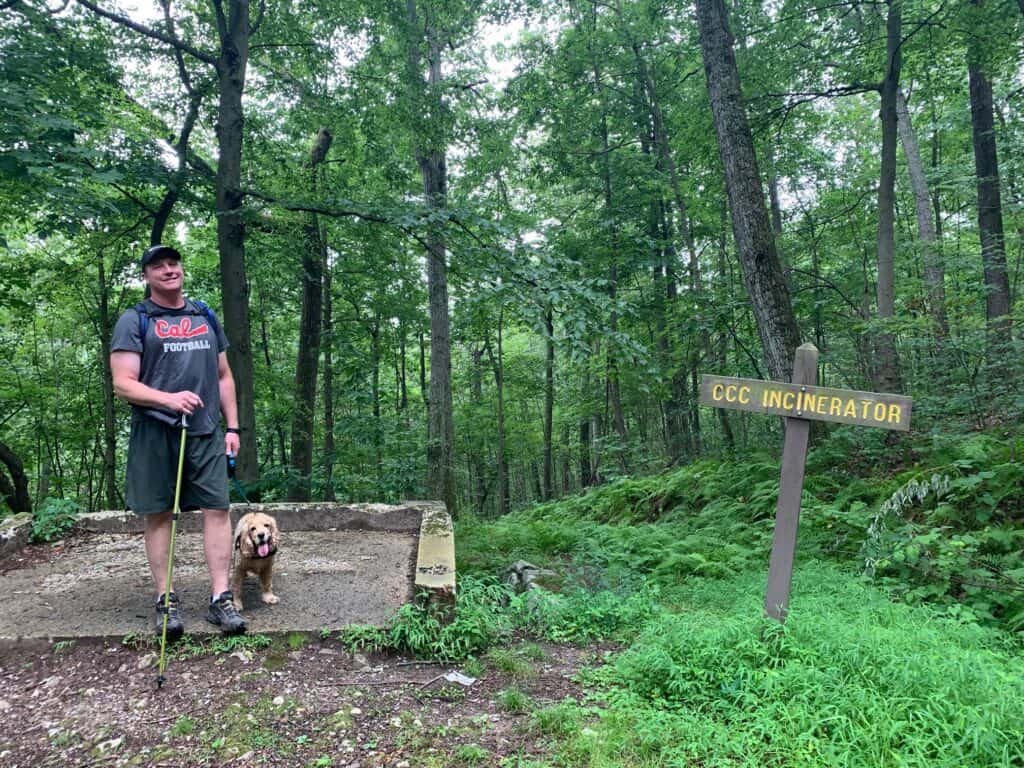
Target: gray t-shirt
(179, 353)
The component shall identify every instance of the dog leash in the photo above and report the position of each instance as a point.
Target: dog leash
(234, 479)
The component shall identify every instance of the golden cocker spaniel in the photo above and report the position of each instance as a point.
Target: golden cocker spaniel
(256, 539)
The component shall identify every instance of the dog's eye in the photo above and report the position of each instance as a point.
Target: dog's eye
(253, 529)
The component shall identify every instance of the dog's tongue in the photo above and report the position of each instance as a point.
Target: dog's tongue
(263, 550)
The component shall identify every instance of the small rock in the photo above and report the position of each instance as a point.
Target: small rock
(4, 705)
(355, 711)
(402, 764)
(278, 701)
(147, 661)
(109, 745)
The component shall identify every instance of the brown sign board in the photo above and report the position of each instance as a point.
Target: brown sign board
(800, 402)
(845, 406)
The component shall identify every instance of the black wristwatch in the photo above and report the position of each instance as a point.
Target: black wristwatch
(233, 430)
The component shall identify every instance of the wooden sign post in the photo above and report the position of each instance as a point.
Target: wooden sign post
(800, 402)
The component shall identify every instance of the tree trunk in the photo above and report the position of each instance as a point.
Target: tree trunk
(755, 242)
(612, 385)
(498, 365)
(375, 358)
(586, 471)
(665, 157)
(403, 387)
(566, 459)
(430, 155)
(424, 393)
(15, 490)
(109, 425)
(990, 209)
(887, 377)
(477, 459)
(327, 340)
(549, 403)
(775, 208)
(231, 68)
(933, 269)
(681, 438)
(314, 253)
(265, 342)
(612, 371)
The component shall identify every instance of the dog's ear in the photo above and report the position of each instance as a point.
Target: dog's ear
(239, 530)
(273, 530)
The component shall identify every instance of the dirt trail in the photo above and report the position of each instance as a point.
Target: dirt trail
(302, 701)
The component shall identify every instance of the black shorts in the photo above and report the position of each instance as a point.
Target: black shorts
(153, 469)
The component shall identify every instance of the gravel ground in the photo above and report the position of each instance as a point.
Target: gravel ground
(300, 700)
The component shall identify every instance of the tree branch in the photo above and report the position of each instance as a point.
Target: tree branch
(222, 23)
(186, 79)
(150, 33)
(332, 212)
(254, 27)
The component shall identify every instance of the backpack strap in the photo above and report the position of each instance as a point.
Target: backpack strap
(143, 313)
(209, 315)
(140, 310)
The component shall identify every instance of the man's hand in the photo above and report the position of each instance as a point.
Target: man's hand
(184, 402)
(231, 443)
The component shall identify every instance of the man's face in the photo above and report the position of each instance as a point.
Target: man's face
(164, 274)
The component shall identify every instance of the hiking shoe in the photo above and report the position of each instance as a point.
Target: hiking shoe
(172, 609)
(222, 613)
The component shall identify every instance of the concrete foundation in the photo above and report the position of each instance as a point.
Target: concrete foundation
(337, 565)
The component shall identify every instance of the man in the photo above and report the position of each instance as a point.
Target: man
(168, 361)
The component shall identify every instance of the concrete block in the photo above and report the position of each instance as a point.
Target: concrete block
(14, 533)
(435, 561)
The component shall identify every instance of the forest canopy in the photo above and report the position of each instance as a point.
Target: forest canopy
(483, 252)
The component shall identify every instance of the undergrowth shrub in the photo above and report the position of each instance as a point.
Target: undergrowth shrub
(486, 612)
(53, 519)
(582, 616)
(935, 517)
(479, 619)
(951, 534)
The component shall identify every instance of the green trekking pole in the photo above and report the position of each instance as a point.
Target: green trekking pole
(170, 555)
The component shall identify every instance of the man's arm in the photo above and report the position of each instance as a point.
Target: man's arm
(125, 368)
(228, 402)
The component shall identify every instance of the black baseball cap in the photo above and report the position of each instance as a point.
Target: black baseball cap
(155, 252)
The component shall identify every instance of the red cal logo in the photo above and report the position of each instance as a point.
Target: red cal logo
(183, 330)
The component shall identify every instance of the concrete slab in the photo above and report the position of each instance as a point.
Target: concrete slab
(337, 566)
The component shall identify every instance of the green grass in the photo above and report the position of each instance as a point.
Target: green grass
(194, 646)
(852, 679)
(514, 700)
(183, 726)
(511, 663)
